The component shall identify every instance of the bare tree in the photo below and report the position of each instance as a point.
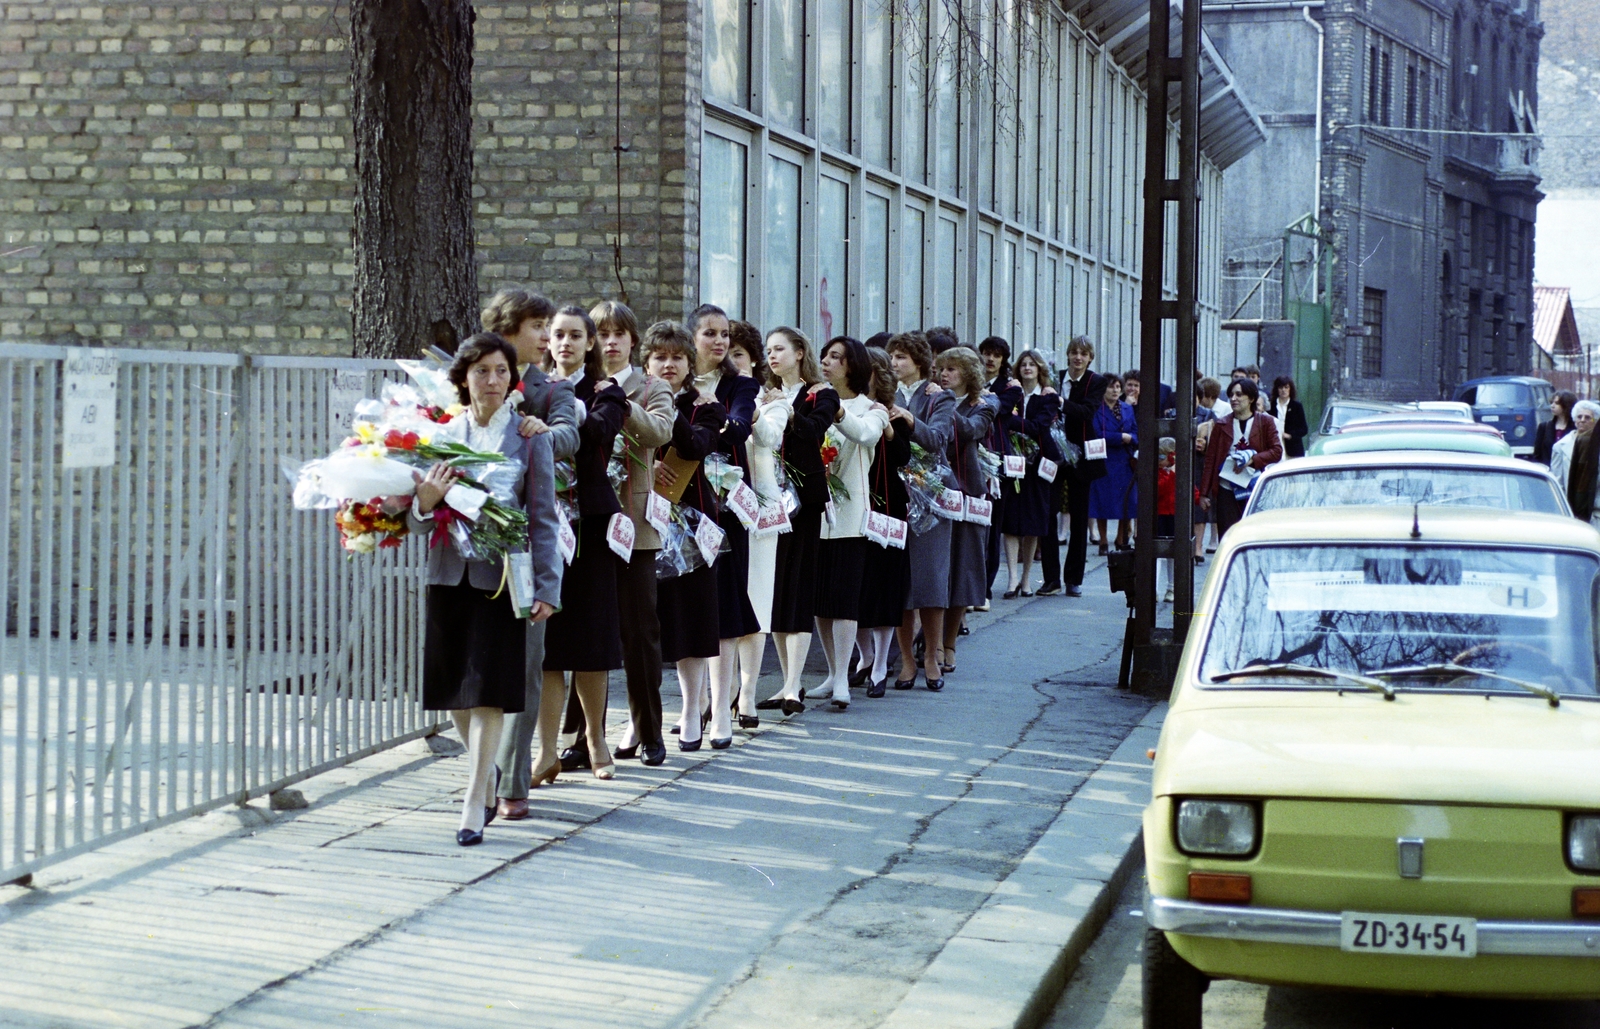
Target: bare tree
(411, 85)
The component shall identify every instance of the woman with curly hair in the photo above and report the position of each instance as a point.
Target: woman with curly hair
(961, 371)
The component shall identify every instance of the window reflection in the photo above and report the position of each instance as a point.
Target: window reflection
(833, 251)
(915, 115)
(786, 80)
(945, 256)
(781, 299)
(1433, 487)
(722, 191)
(911, 266)
(833, 65)
(876, 90)
(727, 43)
(875, 284)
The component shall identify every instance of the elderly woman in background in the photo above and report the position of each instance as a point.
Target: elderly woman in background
(474, 650)
(1584, 415)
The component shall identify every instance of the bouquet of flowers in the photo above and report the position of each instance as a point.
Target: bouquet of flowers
(1071, 454)
(837, 490)
(1022, 444)
(680, 551)
(989, 463)
(367, 480)
(924, 476)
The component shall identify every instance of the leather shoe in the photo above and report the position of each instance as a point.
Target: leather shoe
(905, 684)
(1049, 589)
(573, 759)
(770, 704)
(749, 721)
(722, 744)
(793, 707)
(964, 631)
(936, 685)
(860, 675)
(689, 747)
(626, 753)
(513, 810)
(1074, 591)
(654, 754)
(876, 689)
(468, 838)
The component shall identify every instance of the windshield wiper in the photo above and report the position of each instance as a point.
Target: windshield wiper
(1282, 667)
(1450, 668)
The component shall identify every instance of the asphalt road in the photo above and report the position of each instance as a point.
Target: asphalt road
(1104, 994)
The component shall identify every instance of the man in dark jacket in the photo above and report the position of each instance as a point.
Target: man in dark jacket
(1082, 394)
(1581, 473)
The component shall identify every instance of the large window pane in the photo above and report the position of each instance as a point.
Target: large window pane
(727, 45)
(722, 224)
(915, 112)
(875, 287)
(786, 49)
(1049, 303)
(833, 64)
(911, 268)
(876, 67)
(948, 146)
(781, 297)
(985, 287)
(1027, 285)
(833, 232)
(1005, 286)
(945, 258)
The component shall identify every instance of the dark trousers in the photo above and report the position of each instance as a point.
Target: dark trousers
(1049, 546)
(1225, 510)
(641, 652)
(1077, 532)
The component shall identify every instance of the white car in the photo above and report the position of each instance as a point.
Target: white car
(1393, 477)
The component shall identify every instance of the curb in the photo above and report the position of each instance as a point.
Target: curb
(1009, 964)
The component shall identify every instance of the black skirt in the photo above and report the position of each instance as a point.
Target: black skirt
(885, 579)
(1030, 511)
(473, 653)
(687, 606)
(839, 567)
(795, 582)
(585, 635)
(736, 616)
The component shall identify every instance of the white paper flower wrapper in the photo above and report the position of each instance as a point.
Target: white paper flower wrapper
(349, 474)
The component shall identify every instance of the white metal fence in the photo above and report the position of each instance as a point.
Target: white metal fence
(176, 636)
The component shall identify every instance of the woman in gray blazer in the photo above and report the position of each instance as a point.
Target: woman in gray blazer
(474, 658)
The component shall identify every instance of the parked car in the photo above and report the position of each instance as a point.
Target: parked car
(1407, 434)
(1378, 771)
(1515, 404)
(1388, 477)
(1337, 412)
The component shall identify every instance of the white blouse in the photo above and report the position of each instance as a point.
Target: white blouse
(857, 434)
(766, 436)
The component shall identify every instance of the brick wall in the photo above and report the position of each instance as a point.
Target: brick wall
(181, 175)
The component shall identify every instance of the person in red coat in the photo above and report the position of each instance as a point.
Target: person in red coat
(1242, 439)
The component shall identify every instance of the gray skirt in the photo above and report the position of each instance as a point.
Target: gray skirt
(929, 554)
(969, 569)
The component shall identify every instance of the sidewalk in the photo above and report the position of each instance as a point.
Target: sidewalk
(922, 859)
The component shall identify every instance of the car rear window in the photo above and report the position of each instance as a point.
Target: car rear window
(1438, 487)
(1502, 394)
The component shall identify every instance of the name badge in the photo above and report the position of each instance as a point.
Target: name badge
(619, 535)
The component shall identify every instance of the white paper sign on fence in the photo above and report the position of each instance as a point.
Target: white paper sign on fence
(89, 408)
(346, 389)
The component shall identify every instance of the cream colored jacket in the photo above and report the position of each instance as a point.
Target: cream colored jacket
(857, 434)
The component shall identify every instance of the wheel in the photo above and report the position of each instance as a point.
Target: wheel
(1172, 986)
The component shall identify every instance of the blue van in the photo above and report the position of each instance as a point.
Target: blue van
(1515, 404)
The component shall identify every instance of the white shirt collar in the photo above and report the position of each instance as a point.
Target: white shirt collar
(624, 376)
(575, 378)
(790, 392)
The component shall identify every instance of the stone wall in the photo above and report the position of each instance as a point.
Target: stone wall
(181, 176)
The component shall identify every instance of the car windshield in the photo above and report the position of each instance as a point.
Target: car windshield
(1340, 414)
(1443, 611)
(1502, 394)
(1439, 487)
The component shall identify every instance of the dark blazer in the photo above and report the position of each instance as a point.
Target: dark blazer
(1080, 402)
(1039, 413)
(1295, 429)
(935, 420)
(537, 493)
(737, 394)
(1007, 416)
(973, 424)
(608, 410)
(802, 443)
(886, 491)
(551, 402)
(1545, 440)
(1581, 474)
(1263, 440)
(694, 435)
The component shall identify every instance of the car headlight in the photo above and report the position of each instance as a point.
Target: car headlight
(1583, 842)
(1221, 827)
(1522, 430)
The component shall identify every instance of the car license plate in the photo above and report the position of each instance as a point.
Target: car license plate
(1490, 417)
(1440, 936)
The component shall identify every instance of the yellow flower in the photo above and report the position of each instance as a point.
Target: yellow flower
(424, 438)
(455, 409)
(375, 451)
(366, 432)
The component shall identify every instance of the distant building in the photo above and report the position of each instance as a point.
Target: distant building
(1558, 343)
(1428, 181)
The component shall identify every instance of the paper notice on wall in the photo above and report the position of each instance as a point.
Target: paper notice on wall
(89, 408)
(346, 389)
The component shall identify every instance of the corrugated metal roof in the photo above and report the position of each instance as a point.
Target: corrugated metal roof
(1229, 126)
(1552, 306)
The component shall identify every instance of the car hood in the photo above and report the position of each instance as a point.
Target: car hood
(1419, 747)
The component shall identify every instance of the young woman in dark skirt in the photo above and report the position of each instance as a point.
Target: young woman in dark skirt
(583, 637)
(886, 571)
(474, 659)
(961, 372)
(795, 380)
(689, 604)
(842, 552)
(1029, 511)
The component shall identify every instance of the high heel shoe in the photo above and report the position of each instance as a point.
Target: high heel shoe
(468, 838)
(792, 707)
(906, 684)
(935, 685)
(688, 747)
(626, 753)
(1010, 594)
(546, 776)
(722, 744)
(876, 689)
(605, 771)
(770, 704)
(749, 721)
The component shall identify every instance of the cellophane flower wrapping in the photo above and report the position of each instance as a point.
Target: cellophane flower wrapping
(925, 476)
(1071, 453)
(369, 480)
(680, 552)
(830, 464)
(989, 462)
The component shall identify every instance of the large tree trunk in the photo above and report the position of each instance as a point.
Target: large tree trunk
(411, 85)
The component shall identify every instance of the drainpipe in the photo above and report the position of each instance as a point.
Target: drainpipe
(1316, 208)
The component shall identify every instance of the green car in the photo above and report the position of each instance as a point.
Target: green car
(1412, 436)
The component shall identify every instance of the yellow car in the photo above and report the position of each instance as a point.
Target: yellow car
(1381, 766)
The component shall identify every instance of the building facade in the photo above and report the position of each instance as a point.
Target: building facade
(1421, 167)
(181, 176)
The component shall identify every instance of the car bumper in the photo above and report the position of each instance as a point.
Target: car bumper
(1321, 929)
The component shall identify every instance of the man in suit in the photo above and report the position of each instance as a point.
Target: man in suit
(1082, 394)
(523, 318)
(1242, 439)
